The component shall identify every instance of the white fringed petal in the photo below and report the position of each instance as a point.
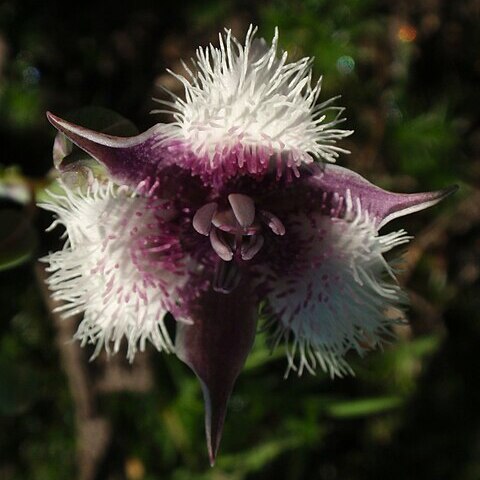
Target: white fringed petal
(335, 296)
(104, 269)
(246, 101)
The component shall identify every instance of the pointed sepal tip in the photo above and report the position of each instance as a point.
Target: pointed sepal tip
(215, 346)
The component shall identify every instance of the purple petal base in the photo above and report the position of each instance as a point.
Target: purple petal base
(236, 160)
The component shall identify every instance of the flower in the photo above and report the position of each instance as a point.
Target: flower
(235, 204)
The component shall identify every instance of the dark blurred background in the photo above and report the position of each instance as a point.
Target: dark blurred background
(409, 75)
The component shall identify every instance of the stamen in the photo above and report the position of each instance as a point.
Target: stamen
(236, 231)
(251, 246)
(243, 208)
(202, 220)
(227, 222)
(273, 222)
(220, 245)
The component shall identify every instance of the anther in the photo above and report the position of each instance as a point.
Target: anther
(220, 246)
(202, 220)
(227, 222)
(236, 231)
(251, 246)
(273, 222)
(243, 208)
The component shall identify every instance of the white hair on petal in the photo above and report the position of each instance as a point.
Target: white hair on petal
(249, 95)
(99, 272)
(335, 298)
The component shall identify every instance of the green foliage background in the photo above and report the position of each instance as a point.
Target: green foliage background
(408, 73)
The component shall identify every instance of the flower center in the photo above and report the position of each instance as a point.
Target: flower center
(235, 233)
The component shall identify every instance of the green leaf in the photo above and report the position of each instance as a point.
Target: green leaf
(363, 407)
(18, 238)
(255, 459)
(262, 353)
(423, 146)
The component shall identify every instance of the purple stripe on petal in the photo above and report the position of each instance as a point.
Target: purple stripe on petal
(129, 160)
(384, 206)
(215, 347)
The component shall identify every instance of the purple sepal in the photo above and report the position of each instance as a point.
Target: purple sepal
(129, 160)
(381, 204)
(215, 347)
